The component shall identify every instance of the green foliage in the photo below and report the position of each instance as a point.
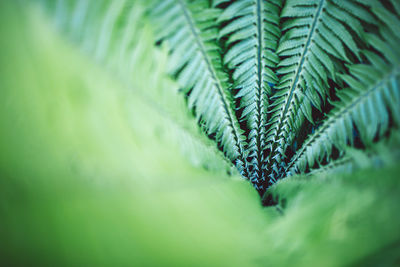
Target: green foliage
(251, 36)
(285, 65)
(116, 34)
(192, 39)
(91, 171)
(373, 97)
(315, 34)
(253, 71)
(102, 162)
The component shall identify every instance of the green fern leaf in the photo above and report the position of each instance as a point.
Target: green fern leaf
(316, 35)
(188, 29)
(373, 97)
(252, 32)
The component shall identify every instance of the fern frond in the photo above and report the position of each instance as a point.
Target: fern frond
(371, 103)
(252, 34)
(189, 29)
(359, 105)
(316, 35)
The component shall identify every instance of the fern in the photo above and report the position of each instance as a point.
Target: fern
(283, 60)
(95, 111)
(281, 87)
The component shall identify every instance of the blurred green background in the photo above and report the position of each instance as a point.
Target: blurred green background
(100, 170)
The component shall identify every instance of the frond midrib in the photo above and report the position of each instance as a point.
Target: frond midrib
(345, 160)
(260, 83)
